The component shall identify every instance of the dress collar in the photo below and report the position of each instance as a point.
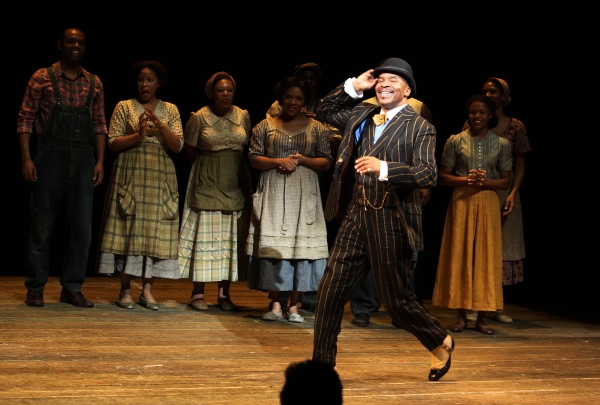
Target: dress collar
(211, 118)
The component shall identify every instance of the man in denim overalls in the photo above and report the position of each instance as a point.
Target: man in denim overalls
(65, 105)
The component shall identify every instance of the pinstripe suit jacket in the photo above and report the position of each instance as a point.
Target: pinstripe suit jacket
(407, 145)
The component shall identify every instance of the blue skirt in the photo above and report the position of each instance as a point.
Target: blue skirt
(285, 275)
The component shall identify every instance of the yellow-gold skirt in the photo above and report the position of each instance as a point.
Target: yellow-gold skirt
(469, 273)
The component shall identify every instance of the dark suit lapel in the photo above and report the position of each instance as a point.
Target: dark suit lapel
(364, 112)
(360, 113)
(393, 131)
(366, 141)
(369, 136)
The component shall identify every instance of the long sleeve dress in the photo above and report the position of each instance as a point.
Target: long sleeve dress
(217, 203)
(287, 238)
(469, 274)
(140, 223)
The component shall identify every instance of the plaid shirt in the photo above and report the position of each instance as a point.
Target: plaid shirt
(39, 99)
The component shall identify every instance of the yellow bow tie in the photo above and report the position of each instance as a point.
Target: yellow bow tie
(379, 119)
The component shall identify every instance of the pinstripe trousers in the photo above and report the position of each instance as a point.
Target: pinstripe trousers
(370, 240)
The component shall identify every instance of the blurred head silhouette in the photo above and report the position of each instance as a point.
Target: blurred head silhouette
(311, 382)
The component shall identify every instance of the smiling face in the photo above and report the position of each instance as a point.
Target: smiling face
(72, 46)
(479, 116)
(147, 84)
(391, 90)
(222, 93)
(292, 102)
(493, 92)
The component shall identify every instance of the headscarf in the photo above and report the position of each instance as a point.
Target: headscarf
(505, 89)
(210, 81)
(310, 66)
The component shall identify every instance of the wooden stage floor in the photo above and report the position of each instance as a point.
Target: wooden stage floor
(59, 354)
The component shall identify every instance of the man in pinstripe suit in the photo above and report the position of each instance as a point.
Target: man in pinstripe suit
(364, 301)
(392, 153)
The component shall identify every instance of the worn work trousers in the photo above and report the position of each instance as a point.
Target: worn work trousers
(64, 169)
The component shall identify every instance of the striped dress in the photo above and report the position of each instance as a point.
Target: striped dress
(287, 238)
(513, 239)
(140, 223)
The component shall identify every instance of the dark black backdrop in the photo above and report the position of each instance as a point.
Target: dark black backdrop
(452, 49)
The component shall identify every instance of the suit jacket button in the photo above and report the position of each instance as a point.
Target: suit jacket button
(340, 160)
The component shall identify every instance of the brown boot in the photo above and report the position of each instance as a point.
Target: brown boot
(481, 325)
(459, 325)
(35, 298)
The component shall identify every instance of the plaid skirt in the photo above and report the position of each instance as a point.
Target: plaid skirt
(212, 242)
(141, 210)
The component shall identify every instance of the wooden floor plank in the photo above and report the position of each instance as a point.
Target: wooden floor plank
(59, 354)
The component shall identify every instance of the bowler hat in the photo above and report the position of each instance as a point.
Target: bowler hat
(399, 67)
(310, 66)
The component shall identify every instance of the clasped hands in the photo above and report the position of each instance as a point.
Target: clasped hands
(145, 117)
(290, 163)
(476, 178)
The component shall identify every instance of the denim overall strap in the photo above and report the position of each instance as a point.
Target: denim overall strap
(57, 98)
(69, 126)
(90, 96)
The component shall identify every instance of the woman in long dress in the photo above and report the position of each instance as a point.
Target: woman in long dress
(141, 212)
(215, 218)
(513, 241)
(287, 239)
(476, 163)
